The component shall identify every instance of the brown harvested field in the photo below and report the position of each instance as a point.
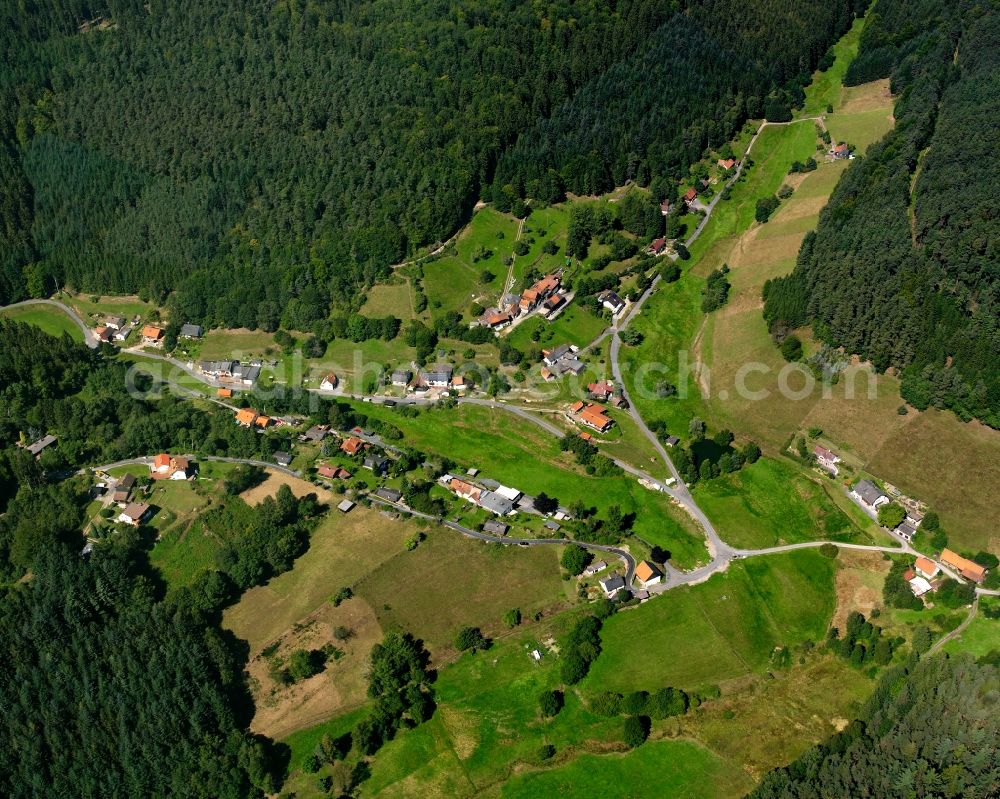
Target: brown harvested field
(858, 584)
(952, 465)
(275, 480)
(866, 97)
(449, 582)
(342, 550)
(341, 686)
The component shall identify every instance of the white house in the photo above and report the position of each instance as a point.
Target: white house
(926, 567)
(827, 459)
(329, 382)
(919, 586)
(612, 585)
(647, 574)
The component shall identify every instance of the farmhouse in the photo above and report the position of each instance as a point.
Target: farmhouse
(726, 164)
(612, 585)
(134, 513)
(657, 246)
(869, 495)
(169, 467)
(104, 334)
(152, 335)
(543, 288)
(389, 494)
(690, 195)
(329, 382)
(969, 569)
(647, 574)
(191, 331)
(926, 568)
(827, 459)
(115, 322)
(553, 356)
(496, 319)
(247, 374)
(611, 301)
(353, 445)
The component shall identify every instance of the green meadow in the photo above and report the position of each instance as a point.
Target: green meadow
(47, 318)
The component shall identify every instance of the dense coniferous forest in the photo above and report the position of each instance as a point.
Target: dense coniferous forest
(267, 160)
(904, 267)
(933, 732)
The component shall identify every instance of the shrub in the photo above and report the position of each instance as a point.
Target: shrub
(550, 703)
(635, 731)
(342, 595)
(470, 638)
(636, 702)
(512, 617)
(607, 703)
(765, 207)
(828, 551)
(546, 752)
(791, 348)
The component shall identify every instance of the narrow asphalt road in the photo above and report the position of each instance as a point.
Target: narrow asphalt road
(958, 630)
(147, 460)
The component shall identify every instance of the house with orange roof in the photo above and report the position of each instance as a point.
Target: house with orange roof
(647, 574)
(224, 393)
(465, 490)
(593, 416)
(151, 334)
(263, 422)
(352, 446)
(969, 569)
(726, 163)
(926, 567)
(169, 467)
(690, 195)
(246, 417)
(602, 390)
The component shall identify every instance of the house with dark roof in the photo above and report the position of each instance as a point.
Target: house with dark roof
(389, 494)
(437, 377)
(123, 489)
(612, 585)
(611, 301)
(552, 356)
(495, 503)
(401, 377)
(376, 463)
(192, 331)
(42, 443)
(869, 495)
(493, 527)
(283, 458)
(134, 514)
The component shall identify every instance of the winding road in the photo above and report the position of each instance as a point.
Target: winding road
(88, 335)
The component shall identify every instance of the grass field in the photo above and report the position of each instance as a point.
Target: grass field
(47, 318)
(773, 503)
(575, 325)
(722, 630)
(390, 299)
(87, 306)
(982, 636)
(518, 453)
(827, 87)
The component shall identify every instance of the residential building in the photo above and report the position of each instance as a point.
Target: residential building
(115, 322)
(551, 357)
(493, 527)
(246, 417)
(353, 445)
(906, 531)
(511, 303)
(262, 422)
(401, 377)
(570, 365)
(283, 458)
(134, 514)
(553, 303)
(612, 585)
(591, 415)
(727, 163)
(316, 433)
(841, 151)
(458, 383)
(969, 569)
(37, 447)
(554, 527)
(152, 335)
(926, 567)
(919, 586)
(376, 463)
(869, 495)
(465, 490)
(389, 494)
(333, 472)
(672, 441)
(191, 331)
(169, 467)
(594, 568)
(530, 297)
(438, 377)
(495, 503)
(496, 319)
(690, 195)
(657, 246)
(647, 574)
(826, 458)
(224, 393)
(122, 333)
(665, 208)
(329, 382)
(104, 334)
(611, 301)
(123, 489)
(602, 390)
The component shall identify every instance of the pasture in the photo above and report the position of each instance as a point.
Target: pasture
(47, 318)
